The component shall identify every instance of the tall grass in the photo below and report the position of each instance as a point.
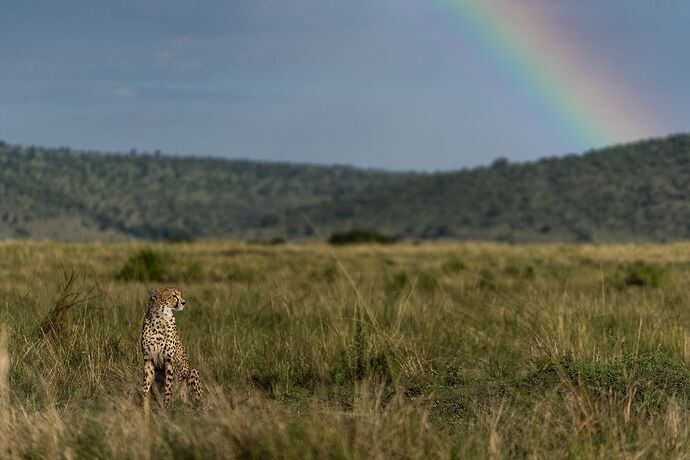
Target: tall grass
(444, 351)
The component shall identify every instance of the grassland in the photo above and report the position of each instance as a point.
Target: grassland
(353, 352)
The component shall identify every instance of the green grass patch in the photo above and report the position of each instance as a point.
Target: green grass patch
(651, 376)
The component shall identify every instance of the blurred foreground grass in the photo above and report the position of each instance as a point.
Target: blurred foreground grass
(367, 351)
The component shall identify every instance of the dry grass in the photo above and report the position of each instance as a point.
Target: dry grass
(399, 351)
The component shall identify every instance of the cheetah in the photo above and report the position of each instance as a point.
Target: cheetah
(164, 356)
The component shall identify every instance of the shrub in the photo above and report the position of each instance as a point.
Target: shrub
(180, 238)
(272, 242)
(422, 281)
(145, 265)
(356, 236)
(238, 273)
(328, 273)
(398, 281)
(487, 280)
(453, 265)
(646, 275)
(520, 272)
(427, 282)
(58, 315)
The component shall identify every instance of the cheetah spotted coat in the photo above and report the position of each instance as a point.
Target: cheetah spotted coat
(164, 356)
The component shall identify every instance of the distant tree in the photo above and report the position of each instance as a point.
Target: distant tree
(500, 162)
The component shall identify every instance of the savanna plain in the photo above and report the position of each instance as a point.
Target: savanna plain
(365, 351)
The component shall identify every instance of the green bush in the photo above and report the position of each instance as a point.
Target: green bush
(487, 280)
(646, 275)
(237, 273)
(398, 281)
(453, 265)
(356, 236)
(180, 238)
(520, 272)
(145, 265)
(422, 281)
(427, 282)
(272, 242)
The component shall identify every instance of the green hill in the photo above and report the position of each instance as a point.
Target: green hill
(634, 192)
(63, 194)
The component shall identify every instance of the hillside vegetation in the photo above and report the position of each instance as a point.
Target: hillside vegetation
(63, 194)
(312, 351)
(635, 192)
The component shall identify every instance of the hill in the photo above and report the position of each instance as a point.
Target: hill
(634, 192)
(68, 195)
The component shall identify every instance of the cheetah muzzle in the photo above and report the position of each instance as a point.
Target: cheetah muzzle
(164, 356)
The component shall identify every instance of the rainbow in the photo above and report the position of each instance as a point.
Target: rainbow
(587, 103)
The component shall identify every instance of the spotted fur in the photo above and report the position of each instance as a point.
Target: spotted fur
(164, 356)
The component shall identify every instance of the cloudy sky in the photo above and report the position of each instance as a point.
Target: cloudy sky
(397, 84)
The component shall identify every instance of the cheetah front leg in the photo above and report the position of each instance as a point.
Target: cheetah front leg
(149, 372)
(169, 376)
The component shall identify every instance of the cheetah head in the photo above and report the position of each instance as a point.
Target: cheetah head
(167, 299)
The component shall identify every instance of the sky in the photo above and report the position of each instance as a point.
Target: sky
(397, 84)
